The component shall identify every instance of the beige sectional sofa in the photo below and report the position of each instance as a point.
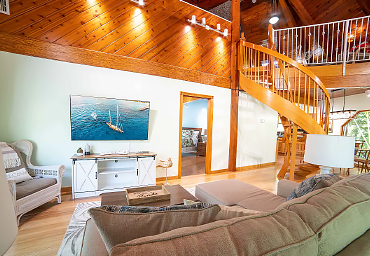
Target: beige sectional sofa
(330, 221)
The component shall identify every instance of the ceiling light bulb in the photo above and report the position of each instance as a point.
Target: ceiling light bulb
(193, 19)
(187, 28)
(254, 1)
(141, 2)
(218, 39)
(218, 27)
(226, 32)
(204, 21)
(274, 19)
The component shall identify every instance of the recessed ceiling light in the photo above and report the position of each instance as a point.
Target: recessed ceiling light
(274, 19)
(187, 28)
(218, 39)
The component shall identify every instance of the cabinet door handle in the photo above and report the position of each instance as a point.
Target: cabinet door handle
(137, 172)
(96, 175)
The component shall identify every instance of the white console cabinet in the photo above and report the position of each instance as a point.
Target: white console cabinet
(96, 174)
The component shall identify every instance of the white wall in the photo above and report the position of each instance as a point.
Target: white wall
(356, 102)
(34, 105)
(256, 132)
(195, 114)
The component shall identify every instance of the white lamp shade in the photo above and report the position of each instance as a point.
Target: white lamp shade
(8, 223)
(331, 151)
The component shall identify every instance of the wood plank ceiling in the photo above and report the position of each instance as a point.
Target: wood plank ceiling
(159, 31)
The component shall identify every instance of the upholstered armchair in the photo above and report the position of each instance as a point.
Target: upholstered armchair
(46, 186)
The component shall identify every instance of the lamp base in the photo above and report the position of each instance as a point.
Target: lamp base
(324, 169)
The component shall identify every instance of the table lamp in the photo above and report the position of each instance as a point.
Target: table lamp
(330, 151)
(8, 222)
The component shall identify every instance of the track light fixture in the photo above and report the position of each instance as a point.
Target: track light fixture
(204, 25)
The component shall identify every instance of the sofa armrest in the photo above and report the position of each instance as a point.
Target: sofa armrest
(286, 187)
(92, 243)
(12, 189)
(48, 171)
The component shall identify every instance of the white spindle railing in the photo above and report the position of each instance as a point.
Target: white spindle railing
(345, 41)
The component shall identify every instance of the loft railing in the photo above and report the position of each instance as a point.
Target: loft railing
(339, 42)
(286, 78)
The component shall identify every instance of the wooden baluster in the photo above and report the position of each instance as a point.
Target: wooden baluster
(299, 87)
(305, 92)
(293, 152)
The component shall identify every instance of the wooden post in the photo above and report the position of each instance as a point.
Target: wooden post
(235, 37)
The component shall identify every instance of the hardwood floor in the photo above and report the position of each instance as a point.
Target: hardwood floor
(191, 164)
(42, 230)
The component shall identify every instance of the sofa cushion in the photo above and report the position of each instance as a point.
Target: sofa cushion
(314, 183)
(361, 182)
(338, 214)
(236, 192)
(359, 247)
(238, 236)
(261, 200)
(119, 224)
(29, 187)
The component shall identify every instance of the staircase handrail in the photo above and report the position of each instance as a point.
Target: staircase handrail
(287, 60)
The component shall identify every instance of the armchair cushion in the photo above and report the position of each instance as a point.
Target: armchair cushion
(29, 187)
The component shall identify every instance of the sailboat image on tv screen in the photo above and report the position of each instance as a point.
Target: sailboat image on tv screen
(112, 126)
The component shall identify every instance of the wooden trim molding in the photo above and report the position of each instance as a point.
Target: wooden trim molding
(66, 190)
(209, 129)
(161, 179)
(250, 167)
(36, 48)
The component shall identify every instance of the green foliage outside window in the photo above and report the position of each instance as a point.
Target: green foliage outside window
(359, 127)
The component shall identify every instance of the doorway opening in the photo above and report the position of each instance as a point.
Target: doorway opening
(195, 134)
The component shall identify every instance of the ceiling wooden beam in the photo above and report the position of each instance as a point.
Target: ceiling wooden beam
(365, 6)
(287, 13)
(36, 48)
(302, 12)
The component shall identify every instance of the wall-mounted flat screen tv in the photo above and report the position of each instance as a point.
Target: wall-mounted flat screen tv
(97, 118)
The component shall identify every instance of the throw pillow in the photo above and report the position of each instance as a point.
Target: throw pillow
(17, 159)
(19, 175)
(314, 183)
(229, 212)
(120, 224)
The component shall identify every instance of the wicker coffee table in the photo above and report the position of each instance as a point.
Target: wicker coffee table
(178, 194)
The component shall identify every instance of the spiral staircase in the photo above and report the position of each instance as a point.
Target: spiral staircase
(297, 94)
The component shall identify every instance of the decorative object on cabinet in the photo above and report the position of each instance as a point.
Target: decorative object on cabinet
(201, 148)
(96, 173)
(165, 164)
(137, 196)
(98, 118)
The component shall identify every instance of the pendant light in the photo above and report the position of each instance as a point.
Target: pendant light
(274, 18)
